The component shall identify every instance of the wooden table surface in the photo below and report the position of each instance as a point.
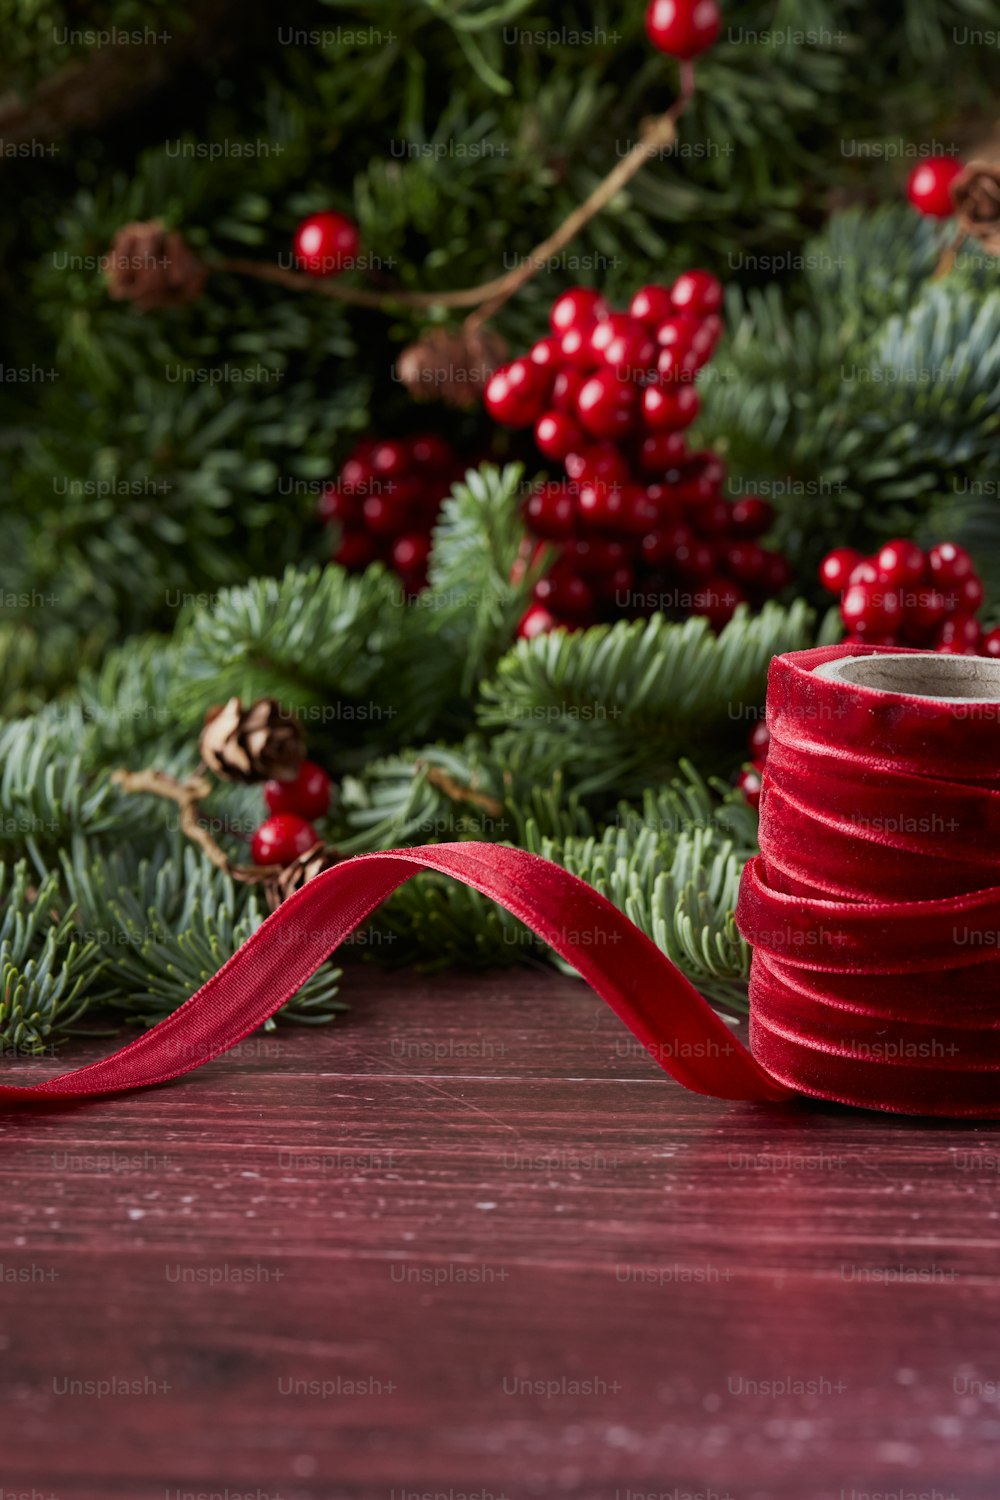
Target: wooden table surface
(470, 1242)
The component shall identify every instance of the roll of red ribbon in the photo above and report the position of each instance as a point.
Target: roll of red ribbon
(873, 911)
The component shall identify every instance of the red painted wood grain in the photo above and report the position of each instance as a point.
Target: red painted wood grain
(471, 1241)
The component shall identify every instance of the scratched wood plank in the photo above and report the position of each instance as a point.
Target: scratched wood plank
(470, 1241)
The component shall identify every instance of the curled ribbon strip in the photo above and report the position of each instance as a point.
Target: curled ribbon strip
(653, 998)
(872, 912)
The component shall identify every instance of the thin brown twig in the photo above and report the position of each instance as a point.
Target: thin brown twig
(947, 256)
(188, 796)
(459, 793)
(489, 297)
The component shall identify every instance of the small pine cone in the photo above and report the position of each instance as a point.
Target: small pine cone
(258, 743)
(153, 267)
(976, 196)
(450, 365)
(294, 876)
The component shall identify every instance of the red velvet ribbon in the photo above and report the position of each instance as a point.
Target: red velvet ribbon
(874, 909)
(872, 912)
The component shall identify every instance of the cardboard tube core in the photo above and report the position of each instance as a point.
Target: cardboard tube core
(924, 674)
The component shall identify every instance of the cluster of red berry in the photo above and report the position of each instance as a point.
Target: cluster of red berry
(903, 596)
(639, 519)
(289, 832)
(385, 501)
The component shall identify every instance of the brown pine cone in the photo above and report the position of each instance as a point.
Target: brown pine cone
(258, 743)
(153, 267)
(975, 193)
(450, 365)
(294, 876)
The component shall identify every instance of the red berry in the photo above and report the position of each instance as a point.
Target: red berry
(900, 561)
(750, 517)
(651, 304)
(578, 308)
(566, 388)
(382, 515)
(747, 561)
(659, 451)
(595, 557)
(557, 435)
(855, 606)
(536, 621)
(550, 513)
(355, 550)
(607, 406)
(675, 363)
(696, 292)
(497, 398)
(760, 740)
(281, 839)
(630, 353)
(683, 28)
(575, 348)
(429, 451)
(621, 340)
(864, 572)
(545, 351)
(641, 513)
(679, 330)
(335, 504)
(949, 563)
(968, 594)
(410, 553)
(390, 460)
(871, 610)
(669, 407)
(708, 470)
(959, 636)
(326, 243)
(565, 594)
(657, 548)
(711, 518)
(308, 795)
(779, 572)
(708, 334)
(694, 559)
(749, 783)
(667, 499)
(516, 393)
(718, 598)
(356, 476)
(577, 463)
(990, 644)
(836, 568)
(602, 507)
(604, 465)
(925, 613)
(929, 186)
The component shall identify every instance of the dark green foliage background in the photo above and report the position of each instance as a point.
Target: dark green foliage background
(153, 497)
(225, 474)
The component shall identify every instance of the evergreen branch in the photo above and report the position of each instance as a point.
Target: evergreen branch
(487, 299)
(617, 706)
(672, 865)
(166, 924)
(46, 967)
(479, 580)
